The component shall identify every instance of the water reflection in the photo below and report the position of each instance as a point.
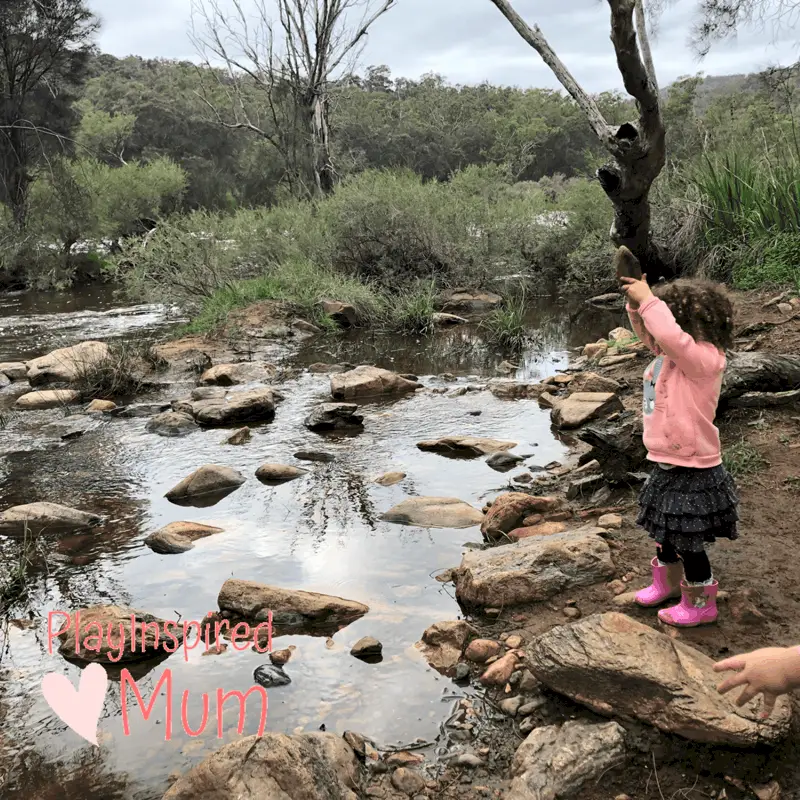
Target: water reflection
(321, 532)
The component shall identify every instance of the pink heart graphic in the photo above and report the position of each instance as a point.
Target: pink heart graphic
(80, 709)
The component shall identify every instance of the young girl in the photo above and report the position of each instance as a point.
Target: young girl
(690, 499)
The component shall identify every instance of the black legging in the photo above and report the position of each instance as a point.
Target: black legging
(696, 566)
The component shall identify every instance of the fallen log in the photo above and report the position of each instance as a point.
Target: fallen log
(759, 372)
(765, 399)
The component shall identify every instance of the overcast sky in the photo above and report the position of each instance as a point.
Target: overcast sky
(468, 41)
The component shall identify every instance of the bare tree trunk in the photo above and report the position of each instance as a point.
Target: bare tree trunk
(637, 149)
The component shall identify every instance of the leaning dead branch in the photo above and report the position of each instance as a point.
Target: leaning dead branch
(637, 148)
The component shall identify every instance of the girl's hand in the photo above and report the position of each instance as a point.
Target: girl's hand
(637, 292)
(773, 671)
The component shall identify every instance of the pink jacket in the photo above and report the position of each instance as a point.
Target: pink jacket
(679, 417)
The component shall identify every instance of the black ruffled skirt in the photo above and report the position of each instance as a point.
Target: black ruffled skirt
(689, 508)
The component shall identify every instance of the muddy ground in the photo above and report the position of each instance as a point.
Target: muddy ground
(758, 572)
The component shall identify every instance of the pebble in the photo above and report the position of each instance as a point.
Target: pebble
(611, 522)
(527, 725)
(492, 612)
(366, 647)
(572, 613)
(514, 641)
(268, 675)
(467, 760)
(407, 781)
(618, 587)
(534, 705)
(511, 706)
(462, 672)
(281, 657)
(528, 683)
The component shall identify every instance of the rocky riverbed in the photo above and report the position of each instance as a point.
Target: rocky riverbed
(437, 544)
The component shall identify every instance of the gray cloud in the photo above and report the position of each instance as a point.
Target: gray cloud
(468, 41)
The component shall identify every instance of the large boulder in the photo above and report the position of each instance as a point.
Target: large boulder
(558, 760)
(275, 766)
(583, 407)
(113, 635)
(233, 374)
(465, 446)
(211, 479)
(46, 518)
(178, 537)
(620, 667)
(292, 609)
(171, 423)
(47, 398)
(443, 644)
(509, 510)
(533, 570)
(333, 416)
(434, 512)
(368, 381)
(255, 405)
(67, 364)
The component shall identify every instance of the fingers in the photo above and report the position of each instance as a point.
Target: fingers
(732, 682)
(628, 281)
(769, 704)
(730, 665)
(747, 695)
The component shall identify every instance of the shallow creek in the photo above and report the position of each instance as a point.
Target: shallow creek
(320, 533)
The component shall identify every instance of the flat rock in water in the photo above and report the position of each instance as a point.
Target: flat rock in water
(47, 398)
(119, 626)
(390, 478)
(210, 479)
(308, 766)
(434, 512)
(314, 455)
(171, 423)
(234, 374)
(329, 369)
(14, 370)
(332, 416)
(291, 608)
(620, 667)
(72, 427)
(278, 473)
(255, 405)
(67, 364)
(509, 511)
(271, 675)
(465, 446)
(559, 760)
(368, 381)
(583, 407)
(178, 537)
(504, 462)
(443, 644)
(470, 301)
(46, 518)
(140, 410)
(533, 570)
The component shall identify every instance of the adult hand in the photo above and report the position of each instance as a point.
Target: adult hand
(637, 292)
(773, 671)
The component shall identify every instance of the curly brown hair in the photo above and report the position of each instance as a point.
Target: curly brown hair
(702, 309)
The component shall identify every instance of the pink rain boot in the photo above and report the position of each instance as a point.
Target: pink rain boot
(666, 584)
(698, 606)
